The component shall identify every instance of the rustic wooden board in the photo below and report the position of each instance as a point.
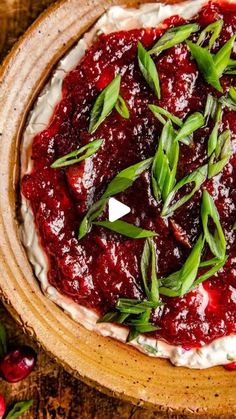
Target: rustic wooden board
(56, 393)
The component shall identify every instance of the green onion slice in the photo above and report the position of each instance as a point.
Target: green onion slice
(104, 104)
(191, 124)
(148, 266)
(197, 177)
(215, 29)
(126, 229)
(120, 183)
(221, 155)
(174, 36)
(216, 241)
(165, 163)
(159, 112)
(206, 65)
(79, 155)
(122, 108)
(149, 70)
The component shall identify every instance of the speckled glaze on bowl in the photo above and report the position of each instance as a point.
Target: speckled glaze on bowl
(102, 362)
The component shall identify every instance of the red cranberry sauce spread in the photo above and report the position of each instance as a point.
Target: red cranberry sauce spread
(104, 266)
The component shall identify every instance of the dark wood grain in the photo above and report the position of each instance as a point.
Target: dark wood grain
(56, 393)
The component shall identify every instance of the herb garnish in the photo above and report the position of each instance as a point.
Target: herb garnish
(18, 409)
(126, 229)
(212, 66)
(176, 284)
(216, 241)
(104, 104)
(212, 141)
(122, 181)
(191, 124)
(229, 100)
(165, 163)
(148, 265)
(210, 107)
(136, 313)
(197, 177)
(160, 112)
(122, 108)
(149, 70)
(221, 155)
(174, 36)
(215, 29)
(222, 57)
(205, 64)
(183, 281)
(78, 155)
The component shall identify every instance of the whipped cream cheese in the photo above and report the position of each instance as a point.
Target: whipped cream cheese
(220, 351)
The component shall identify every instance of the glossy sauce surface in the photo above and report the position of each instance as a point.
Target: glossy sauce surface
(104, 266)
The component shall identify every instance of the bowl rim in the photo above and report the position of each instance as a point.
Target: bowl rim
(21, 80)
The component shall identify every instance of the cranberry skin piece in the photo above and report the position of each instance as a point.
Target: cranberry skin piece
(230, 367)
(2, 406)
(17, 364)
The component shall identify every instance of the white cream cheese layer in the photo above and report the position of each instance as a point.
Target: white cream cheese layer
(221, 351)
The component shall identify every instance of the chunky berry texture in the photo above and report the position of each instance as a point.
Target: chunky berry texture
(17, 364)
(104, 266)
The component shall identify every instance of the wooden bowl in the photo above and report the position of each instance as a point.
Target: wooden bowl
(105, 363)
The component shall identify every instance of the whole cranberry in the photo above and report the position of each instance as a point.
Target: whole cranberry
(17, 364)
(2, 406)
(230, 367)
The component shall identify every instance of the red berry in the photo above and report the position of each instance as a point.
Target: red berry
(17, 364)
(230, 367)
(2, 406)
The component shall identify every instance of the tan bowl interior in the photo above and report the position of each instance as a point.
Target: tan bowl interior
(104, 363)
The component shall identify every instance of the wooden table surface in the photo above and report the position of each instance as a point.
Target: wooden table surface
(56, 393)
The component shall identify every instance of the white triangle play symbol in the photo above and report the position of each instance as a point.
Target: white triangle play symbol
(116, 209)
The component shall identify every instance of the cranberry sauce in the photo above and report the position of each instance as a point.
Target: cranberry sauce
(104, 266)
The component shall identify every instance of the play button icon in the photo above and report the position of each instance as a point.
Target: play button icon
(116, 209)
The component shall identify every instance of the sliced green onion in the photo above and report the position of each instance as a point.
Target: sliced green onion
(197, 177)
(126, 229)
(232, 93)
(215, 29)
(18, 409)
(191, 124)
(212, 141)
(208, 274)
(149, 70)
(174, 36)
(158, 112)
(180, 282)
(122, 108)
(148, 347)
(104, 104)
(210, 107)
(189, 271)
(126, 178)
(124, 303)
(96, 209)
(120, 183)
(222, 57)
(148, 265)
(206, 65)
(83, 153)
(165, 163)
(216, 241)
(221, 155)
